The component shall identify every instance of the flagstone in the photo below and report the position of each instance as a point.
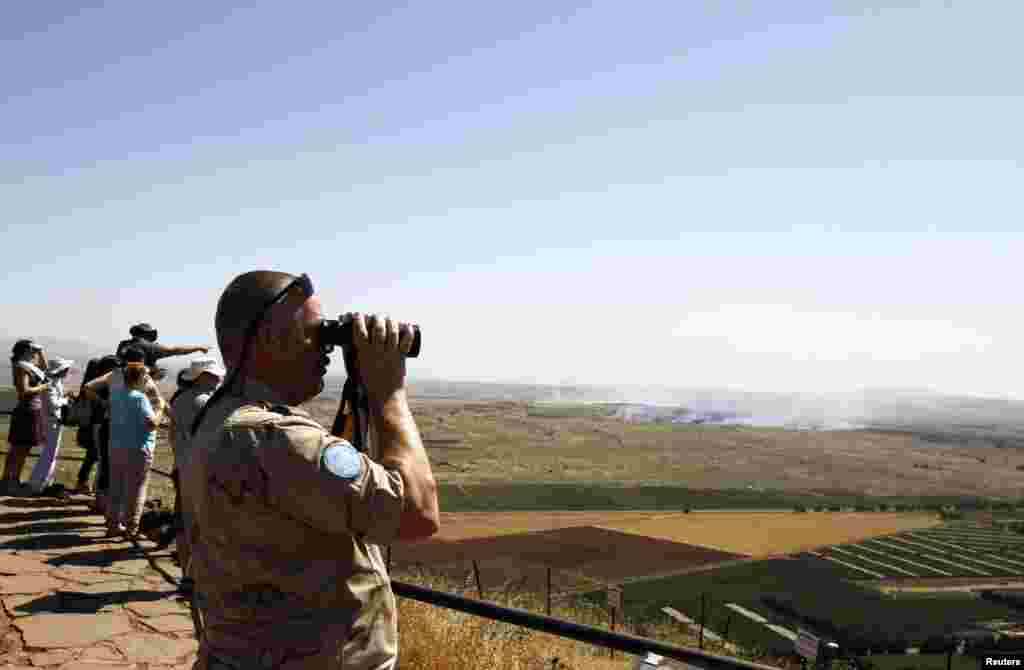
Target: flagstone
(19, 565)
(41, 557)
(162, 587)
(101, 652)
(99, 588)
(50, 658)
(133, 567)
(172, 623)
(85, 574)
(156, 608)
(33, 583)
(150, 647)
(54, 631)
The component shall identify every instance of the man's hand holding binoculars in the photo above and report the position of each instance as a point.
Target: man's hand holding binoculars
(381, 346)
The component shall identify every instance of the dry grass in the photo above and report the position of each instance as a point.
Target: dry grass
(433, 639)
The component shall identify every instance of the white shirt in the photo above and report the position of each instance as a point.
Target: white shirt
(55, 398)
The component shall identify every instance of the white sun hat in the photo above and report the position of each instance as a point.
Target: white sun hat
(59, 365)
(204, 364)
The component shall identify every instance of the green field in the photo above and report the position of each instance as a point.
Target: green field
(890, 557)
(818, 593)
(569, 410)
(539, 496)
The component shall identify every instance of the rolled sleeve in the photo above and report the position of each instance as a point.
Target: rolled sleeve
(359, 498)
(145, 407)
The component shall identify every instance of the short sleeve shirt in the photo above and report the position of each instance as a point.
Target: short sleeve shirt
(152, 350)
(128, 411)
(184, 409)
(285, 524)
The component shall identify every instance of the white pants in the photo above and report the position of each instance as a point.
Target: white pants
(42, 473)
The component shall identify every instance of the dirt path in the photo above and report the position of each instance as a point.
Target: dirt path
(73, 600)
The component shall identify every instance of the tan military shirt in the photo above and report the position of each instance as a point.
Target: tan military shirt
(285, 526)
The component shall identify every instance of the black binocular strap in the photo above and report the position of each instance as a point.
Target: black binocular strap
(355, 397)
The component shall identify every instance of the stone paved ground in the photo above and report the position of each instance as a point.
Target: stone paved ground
(73, 600)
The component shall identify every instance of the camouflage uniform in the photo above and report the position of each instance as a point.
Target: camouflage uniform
(285, 523)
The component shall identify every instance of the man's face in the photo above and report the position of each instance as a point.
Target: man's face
(299, 365)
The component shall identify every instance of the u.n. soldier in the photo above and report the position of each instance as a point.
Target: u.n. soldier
(285, 520)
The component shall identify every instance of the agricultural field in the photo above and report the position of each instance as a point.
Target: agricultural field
(942, 551)
(584, 549)
(815, 590)
(605, 556)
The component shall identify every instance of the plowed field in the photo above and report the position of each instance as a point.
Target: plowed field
(606, 556)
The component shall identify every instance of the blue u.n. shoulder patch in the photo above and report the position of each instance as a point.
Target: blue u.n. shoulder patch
(342, 460)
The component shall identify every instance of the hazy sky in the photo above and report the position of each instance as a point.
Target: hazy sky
(763, 195)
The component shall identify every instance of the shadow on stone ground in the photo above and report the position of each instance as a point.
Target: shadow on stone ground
(98, 558)
(42, 515)
(71, 601)
(35, 502)
(48, 542)
(50, 527)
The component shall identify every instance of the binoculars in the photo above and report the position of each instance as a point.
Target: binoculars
(337, 333)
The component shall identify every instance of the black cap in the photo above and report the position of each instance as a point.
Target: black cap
(141, 329)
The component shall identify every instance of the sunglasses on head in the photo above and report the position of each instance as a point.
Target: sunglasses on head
(303, 282)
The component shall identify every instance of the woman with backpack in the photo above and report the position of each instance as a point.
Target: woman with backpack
(28, 421)
(94, 431)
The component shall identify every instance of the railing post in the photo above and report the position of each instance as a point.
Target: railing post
(476, 575)
(611, 614)
(548, 608)
(701, 643)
